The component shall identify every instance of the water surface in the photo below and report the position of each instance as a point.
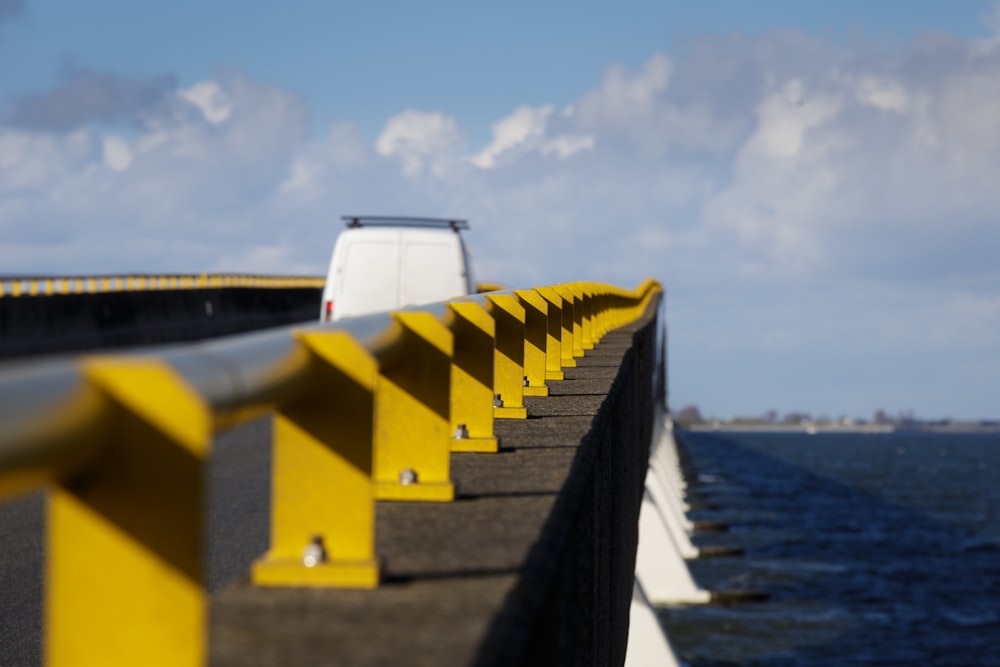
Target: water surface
(876, 549)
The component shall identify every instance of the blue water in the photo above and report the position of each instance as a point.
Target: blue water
(875, 549)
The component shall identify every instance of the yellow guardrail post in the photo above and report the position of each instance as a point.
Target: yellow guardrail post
(508, 369)
(566, 358)
(322, 496)
(601, 306)
(412, 411)
(600, 311)
(553, 333)
(588, 339)
(577, 297)
(536, 322)
(474, 333)
(124, 556)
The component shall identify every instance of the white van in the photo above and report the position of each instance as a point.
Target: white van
(383, 263)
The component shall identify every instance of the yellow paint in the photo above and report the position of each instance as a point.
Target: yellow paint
(553, 334)
(508, 367)
(566, 359)
(588, 340)
(474, 335)
(483, 287)
(322, 472)
(412, 410)
(569, 289)
(125, 542)
(536, 320)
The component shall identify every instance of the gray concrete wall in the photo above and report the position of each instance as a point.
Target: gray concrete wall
(571, 604)
(34, 325)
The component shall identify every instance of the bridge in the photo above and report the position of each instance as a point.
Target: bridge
(459, 483)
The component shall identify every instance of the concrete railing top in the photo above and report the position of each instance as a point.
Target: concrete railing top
(17, 286)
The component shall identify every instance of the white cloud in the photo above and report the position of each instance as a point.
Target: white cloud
(423, 142)
(117, 154)
(885, 95)
(180, 178)
(565, 146)
(731, 171)
(783, 118)
(210, 100)
(523, 125)
(34, 160)
(527, 130)
(319, 166)
(624, 98)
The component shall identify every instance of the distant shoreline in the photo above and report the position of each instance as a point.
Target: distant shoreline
(812, 427)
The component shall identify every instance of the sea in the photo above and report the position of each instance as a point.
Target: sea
(874, 549)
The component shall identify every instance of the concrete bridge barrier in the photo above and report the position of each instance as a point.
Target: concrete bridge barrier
(75, 314)
(454, 484)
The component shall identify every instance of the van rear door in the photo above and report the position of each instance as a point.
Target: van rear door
(368, 279)
(432, 269)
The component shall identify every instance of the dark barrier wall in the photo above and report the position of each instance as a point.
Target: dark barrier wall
(571, 605)
(76, 322)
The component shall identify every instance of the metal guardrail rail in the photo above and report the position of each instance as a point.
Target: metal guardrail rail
(364, 409)
(16, 286)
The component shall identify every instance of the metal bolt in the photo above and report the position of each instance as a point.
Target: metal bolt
(524, 383)
(408, 476)
(461, 432)
(314, 553)
(497, 401)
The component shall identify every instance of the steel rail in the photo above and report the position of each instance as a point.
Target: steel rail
(52, 417)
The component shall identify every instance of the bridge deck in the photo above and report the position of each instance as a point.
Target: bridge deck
(448, 568)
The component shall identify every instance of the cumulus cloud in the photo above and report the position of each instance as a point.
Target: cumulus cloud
(527, 130)
(117, 154)
(320, 167)
(210, 100)
(424, 142)
(784, 154)
(187, 187)
(731, 169)
(626, 99)
(521, 126)
(85, 96)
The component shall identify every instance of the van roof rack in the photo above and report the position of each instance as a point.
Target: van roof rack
(396, 221)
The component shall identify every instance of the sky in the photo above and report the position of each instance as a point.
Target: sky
(815, 184)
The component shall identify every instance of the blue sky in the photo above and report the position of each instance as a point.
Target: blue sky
(813, 182)
(367, 61)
